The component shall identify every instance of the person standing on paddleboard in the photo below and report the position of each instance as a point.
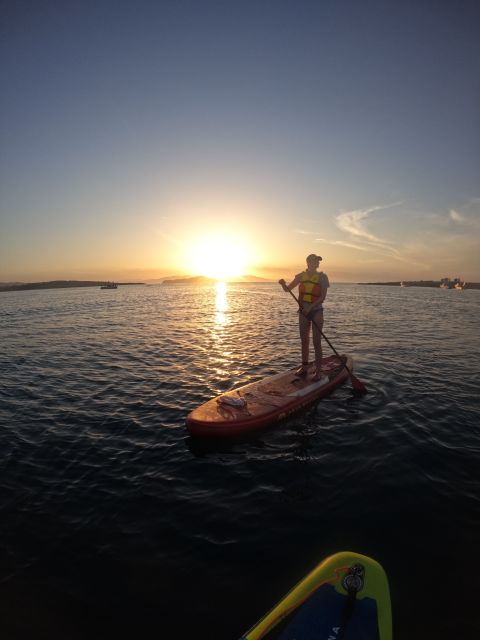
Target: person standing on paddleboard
(313, 285)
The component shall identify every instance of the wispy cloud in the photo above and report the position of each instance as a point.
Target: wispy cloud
(352, 222)
(468, 215)
(304, 232)
(355, 224)
(455, 216)
(342, 243)
(414, 241)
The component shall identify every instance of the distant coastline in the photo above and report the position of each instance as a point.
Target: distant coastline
(70, 284)
(199, 280)
(419, 283)
(56, 284)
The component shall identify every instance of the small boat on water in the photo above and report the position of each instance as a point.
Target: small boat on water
(109, 285)
(456, 283)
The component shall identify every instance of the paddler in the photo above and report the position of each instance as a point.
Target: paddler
(313, 285)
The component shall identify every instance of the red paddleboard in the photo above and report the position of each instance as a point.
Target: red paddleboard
(262, 403)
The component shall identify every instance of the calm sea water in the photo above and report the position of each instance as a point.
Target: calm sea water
(114, 522)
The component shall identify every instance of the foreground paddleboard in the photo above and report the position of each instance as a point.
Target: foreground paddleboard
(262, 403)
(346, 597)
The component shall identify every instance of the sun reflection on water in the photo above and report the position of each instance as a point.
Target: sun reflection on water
(221, 302)
(220, 352)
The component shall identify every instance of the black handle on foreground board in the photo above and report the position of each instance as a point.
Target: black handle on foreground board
(357, 385)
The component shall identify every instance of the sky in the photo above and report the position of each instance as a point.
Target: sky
(145, 139)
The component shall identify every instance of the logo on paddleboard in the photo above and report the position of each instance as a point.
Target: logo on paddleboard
(354, 580)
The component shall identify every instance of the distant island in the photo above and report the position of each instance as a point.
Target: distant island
(206, 280)
(421, 283)
(55, 284)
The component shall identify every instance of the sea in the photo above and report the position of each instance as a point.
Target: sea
(114, 522)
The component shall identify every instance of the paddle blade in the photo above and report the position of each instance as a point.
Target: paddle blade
(358, 386)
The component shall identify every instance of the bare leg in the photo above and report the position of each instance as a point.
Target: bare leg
(304, 326)
(317, 343)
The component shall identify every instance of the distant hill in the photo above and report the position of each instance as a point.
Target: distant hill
(252, 279)
(189, 280)
(205, 280)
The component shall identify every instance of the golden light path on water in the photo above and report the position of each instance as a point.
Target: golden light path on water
(220, 353)
(221, 302)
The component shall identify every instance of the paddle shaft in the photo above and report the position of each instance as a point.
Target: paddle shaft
(359, 386)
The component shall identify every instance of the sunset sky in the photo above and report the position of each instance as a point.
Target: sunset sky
(145, 139)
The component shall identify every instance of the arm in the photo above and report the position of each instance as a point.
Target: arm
(292, 285)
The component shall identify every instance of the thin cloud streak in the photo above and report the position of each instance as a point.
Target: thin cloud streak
(303, 232)
(353, 223)
(455, 216)
(341, 243)
(469, 215)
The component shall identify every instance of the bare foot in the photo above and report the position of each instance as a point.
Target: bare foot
(302, 371)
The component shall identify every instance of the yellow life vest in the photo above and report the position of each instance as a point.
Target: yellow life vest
(310, 288)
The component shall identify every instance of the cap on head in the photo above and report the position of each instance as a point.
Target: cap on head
(314, 258)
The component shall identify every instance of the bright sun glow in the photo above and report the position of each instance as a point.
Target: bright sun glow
(218, 256)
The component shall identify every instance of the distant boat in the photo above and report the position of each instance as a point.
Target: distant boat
(456, 283)
(404, 284)
(446, 283)
(109, 285)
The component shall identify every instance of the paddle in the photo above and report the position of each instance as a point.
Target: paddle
(357, 385)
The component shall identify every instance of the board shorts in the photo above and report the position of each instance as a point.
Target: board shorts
(306, 306)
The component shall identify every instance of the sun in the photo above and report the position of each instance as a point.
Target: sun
(218, 256)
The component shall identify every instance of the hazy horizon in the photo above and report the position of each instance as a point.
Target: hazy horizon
(232, 279)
